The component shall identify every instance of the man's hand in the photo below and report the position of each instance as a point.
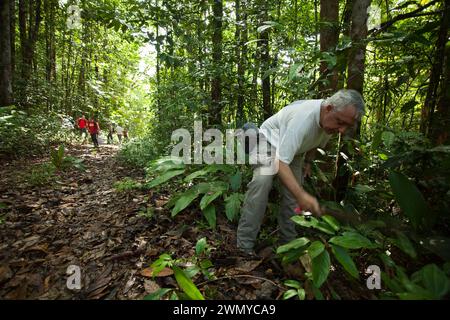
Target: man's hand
(309, 203)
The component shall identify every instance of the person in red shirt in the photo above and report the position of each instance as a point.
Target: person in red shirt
(82, 123)
(94, 129)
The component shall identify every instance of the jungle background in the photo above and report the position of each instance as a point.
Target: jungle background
(143, 226)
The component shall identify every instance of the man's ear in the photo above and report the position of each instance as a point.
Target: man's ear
(329, 108)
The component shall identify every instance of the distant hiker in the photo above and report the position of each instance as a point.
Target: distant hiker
(119, 131)
(110, 133)
(94, 129)
(81, 124)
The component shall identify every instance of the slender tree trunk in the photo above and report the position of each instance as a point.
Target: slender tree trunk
(263, 46)
(216, 89)
(426, 123)
(12, 31)
(355, 80)
(6, 93)
(329, 36)
(357, 54)
(238, 35)
(28, 33)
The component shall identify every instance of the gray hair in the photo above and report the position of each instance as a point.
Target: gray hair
(344, 98)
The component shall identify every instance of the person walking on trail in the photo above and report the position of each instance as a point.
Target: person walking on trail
(125, 134)
(110, 133)
(119, 131)
(82, 124)
(293, 135)
(94, 129)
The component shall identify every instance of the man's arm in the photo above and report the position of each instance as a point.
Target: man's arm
(304, 199)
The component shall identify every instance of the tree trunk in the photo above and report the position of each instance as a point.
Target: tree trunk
(329, 36)
(6, 94)
(355, 80)
(28, 33)
(12, 31)
(426, 123)
(263, 46)
(216, 90)
(50, 66)
(357, 54)
(241, 54)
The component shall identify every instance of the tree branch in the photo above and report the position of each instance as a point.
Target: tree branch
(415, 13)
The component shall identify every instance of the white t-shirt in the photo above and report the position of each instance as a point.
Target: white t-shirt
(295, 129)
(119, 130)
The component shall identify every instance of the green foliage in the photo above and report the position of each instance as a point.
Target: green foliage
(41, 175)
(127, 184)
(200, 263)
(410, 200)
(30, 134)
(297, 290)
(428, 283)
(46, 173)
(222, 186)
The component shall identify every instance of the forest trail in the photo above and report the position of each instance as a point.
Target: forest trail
(83, 220)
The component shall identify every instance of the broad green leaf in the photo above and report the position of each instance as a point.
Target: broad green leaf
(184, 201)
(301, 220)
(403, 243)
(388, 138)
(312, 222)
(208, 198)
(435, 280)
(410, 199)
(210, 214)
(294, 244)
(289, 294)
(315, 249)
(187, 285)
(200, 246)
(233, 205)
(166, 164)
(352, 240)
(317, 293)
(166, 176)
(195, 174)
(322, 226)
(301, 293)
(332, 222)
(321, 268)
(293, 284)
(293, 70)
(345, 260)
(235, 181)
(213, 186)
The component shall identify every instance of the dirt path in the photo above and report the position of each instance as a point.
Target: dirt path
(83, 220)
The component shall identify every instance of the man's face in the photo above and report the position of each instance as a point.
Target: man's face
(334, 122)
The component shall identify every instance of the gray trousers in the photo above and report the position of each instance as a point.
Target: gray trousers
(255, 203)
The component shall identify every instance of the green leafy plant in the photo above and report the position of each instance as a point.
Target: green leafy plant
(428, 283)
(127, 184)
(223, 185)
(199, 263)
